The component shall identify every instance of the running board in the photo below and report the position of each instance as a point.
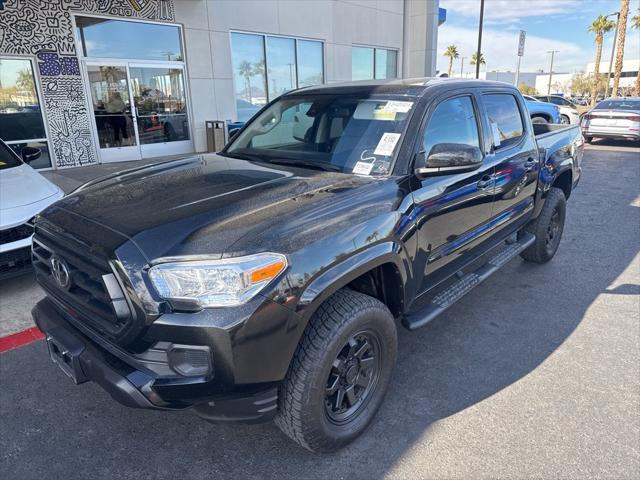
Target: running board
(466, 283)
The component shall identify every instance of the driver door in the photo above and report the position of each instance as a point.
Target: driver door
(453, 211)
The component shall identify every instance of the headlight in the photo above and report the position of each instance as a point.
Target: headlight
(217, 283)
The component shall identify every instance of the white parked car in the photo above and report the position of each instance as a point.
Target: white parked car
(23, 194)
(568, 113)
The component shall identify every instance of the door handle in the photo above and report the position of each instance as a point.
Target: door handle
(530, 164)
(485, 182)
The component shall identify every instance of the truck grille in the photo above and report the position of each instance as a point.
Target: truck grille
(93, 295)
(16, 233)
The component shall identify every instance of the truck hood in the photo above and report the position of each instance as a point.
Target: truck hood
(202, 204)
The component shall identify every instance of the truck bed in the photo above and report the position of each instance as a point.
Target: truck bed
(551, 138)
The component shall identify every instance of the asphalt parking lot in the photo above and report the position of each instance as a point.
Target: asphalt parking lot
(536, 373)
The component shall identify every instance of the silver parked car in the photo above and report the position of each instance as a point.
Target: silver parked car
(613, 118)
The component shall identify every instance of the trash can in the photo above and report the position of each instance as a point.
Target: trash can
(215, 135)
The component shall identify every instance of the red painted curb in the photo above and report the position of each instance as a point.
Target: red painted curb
(20, 339)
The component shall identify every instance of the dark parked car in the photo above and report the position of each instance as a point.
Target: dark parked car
(267, 281)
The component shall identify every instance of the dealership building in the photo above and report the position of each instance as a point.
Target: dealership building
(94, 81)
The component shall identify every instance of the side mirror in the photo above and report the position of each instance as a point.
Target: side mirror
(445, 158)
(29, 154)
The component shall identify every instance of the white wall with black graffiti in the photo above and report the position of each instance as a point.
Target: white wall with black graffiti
(43, 30)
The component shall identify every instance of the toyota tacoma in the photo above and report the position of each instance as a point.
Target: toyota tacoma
(267, 281)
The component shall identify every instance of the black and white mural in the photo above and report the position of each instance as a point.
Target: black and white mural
(43, 31)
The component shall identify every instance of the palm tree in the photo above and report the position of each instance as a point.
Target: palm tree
(622, 32)
(635, 23)
(600, 26)
(474, 58)
(246, 70)
(452, 53)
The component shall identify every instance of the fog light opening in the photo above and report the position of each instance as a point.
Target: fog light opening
(190, 361)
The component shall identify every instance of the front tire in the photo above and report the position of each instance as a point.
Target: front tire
(539, 120)
(547, 228)
(588, 139)
(340, 372)
(564, 120)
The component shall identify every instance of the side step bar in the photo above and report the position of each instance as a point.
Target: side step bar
(466, 283)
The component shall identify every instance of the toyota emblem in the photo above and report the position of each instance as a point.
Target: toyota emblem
(60, 272)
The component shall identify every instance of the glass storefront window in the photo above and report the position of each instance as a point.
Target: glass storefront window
(105, 38)
(290, 63)
(368, 63)
(310, 63)
(21, 121)
(248, 73)
(361, 63)
(281, 63)
(386, 63)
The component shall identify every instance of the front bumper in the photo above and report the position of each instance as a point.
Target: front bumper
(140, 386)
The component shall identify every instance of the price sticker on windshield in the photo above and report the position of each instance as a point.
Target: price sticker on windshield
(398, 106)
(362, 168)
(386, 144)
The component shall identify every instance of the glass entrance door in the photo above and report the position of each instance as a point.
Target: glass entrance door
(140, 110)
(112, 111)
(160, 101)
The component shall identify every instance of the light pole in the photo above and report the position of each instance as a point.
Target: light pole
(462, 66)
(552, 52)
(479, 39)
(613, 49)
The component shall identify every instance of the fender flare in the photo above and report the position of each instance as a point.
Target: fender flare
(549, 173)
(341, 274)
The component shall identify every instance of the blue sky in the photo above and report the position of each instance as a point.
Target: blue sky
(550, 25)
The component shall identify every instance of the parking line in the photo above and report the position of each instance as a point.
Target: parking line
(20, 339)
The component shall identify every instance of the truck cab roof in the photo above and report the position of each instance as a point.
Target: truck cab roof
(414, 87)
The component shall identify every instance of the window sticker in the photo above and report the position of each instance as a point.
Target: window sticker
(398, 106)
(496, 134)
(362, 168)
(386, 144)
(380, 113)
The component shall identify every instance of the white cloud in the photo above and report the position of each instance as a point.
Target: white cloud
(499, 48)
(497, 10)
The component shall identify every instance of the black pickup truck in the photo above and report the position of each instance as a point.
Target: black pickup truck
(267, 281)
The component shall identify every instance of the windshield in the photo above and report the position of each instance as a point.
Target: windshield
(8, 158)
(328, 132)
(618, 105)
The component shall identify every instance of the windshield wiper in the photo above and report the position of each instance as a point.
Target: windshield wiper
(327, 167)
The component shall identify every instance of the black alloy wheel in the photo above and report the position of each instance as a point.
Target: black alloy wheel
(354, 375)
(554, 230)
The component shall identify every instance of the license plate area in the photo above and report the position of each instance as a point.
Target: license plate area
(67, 358)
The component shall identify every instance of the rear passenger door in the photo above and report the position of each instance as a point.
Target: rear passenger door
(513, 154)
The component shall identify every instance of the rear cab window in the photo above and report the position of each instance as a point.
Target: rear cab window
(505, 119)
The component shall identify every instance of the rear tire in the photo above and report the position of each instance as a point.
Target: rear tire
(547, 228)
(349, 346)
(588, 139)
(564, 120)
